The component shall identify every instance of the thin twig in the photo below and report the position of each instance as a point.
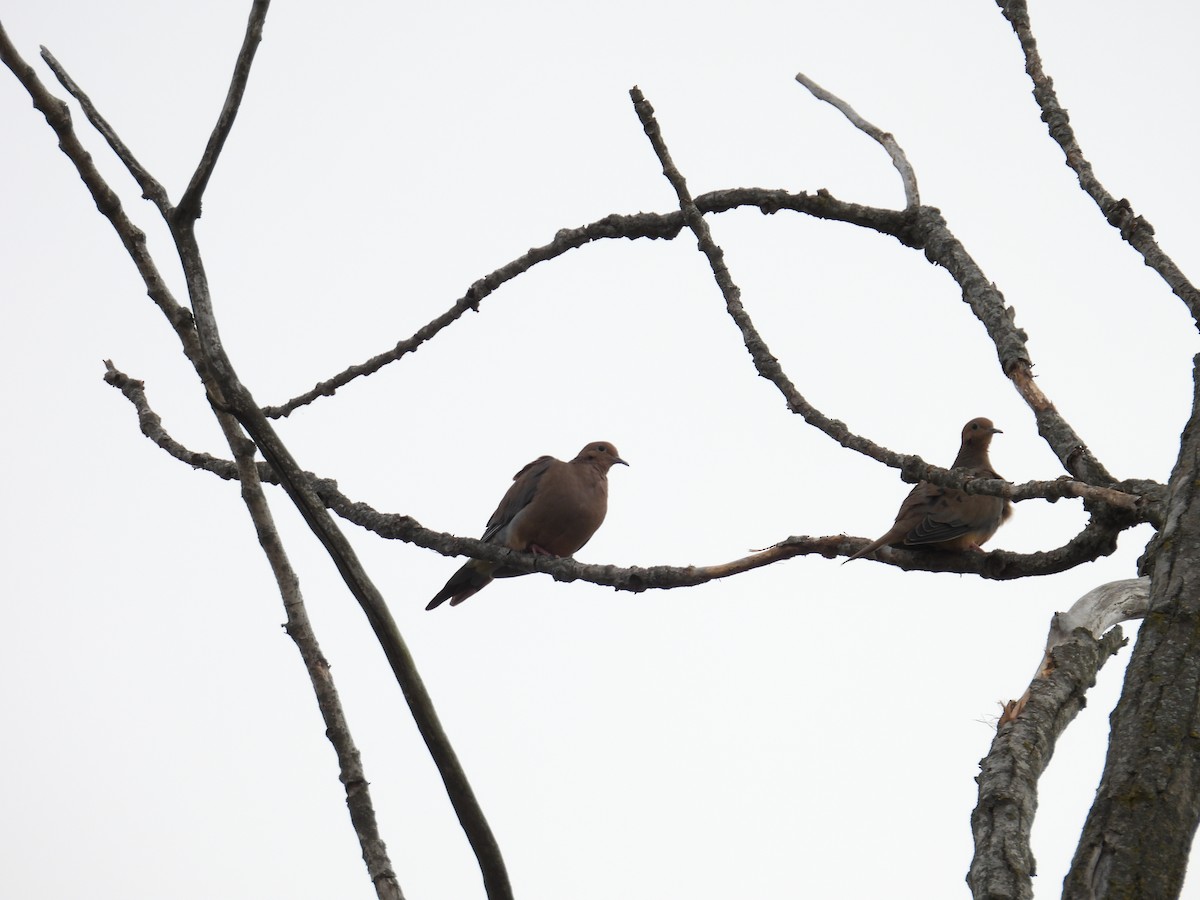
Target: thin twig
(1134, 229)
(299, 628)
(189, 204)
(631, 227)
(908, 177)
(152, 190)
(655, 226)
(766, 364)
(58, 117)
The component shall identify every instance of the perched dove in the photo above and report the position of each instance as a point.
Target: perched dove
(552, 508)
(946, 518)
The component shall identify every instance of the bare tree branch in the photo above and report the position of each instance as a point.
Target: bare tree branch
(655, 226)
(768, 366)
(299, 628)
(1096, 611)
(58, 117)
(1098, 538)
(189, 204)
(631, 227)
(930, 233)
(908, 177)
(1134, 229)
(151, 189)
(1003, 818)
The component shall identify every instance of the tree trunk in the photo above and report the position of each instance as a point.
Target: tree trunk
(1139, 832)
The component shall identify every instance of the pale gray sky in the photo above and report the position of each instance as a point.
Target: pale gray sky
(803, 730)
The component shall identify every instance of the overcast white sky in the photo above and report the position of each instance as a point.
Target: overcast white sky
(803, 730)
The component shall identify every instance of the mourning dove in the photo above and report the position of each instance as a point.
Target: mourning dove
(945, 518)
(552, 508)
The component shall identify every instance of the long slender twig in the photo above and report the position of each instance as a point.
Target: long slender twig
(58, 117)
(767, 365)
(299, 628)
(151, 188)
(654, 226)
(189, 203)
(1134, 229)
(293, 480)
(912, 197)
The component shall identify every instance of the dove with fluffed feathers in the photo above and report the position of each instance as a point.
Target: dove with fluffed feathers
(945, 518)
(552, 508)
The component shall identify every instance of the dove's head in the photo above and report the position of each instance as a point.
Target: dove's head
(600, 454)
(978, 433)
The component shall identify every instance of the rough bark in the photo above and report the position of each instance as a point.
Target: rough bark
(1002, 821)
(1139, 831)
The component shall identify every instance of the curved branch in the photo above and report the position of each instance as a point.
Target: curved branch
(1098, 537)
(642, 225)
(1134, 229)
(1079, 643)
(1003, 817)
(908, 177)
(654, 226)
(1096, 611)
